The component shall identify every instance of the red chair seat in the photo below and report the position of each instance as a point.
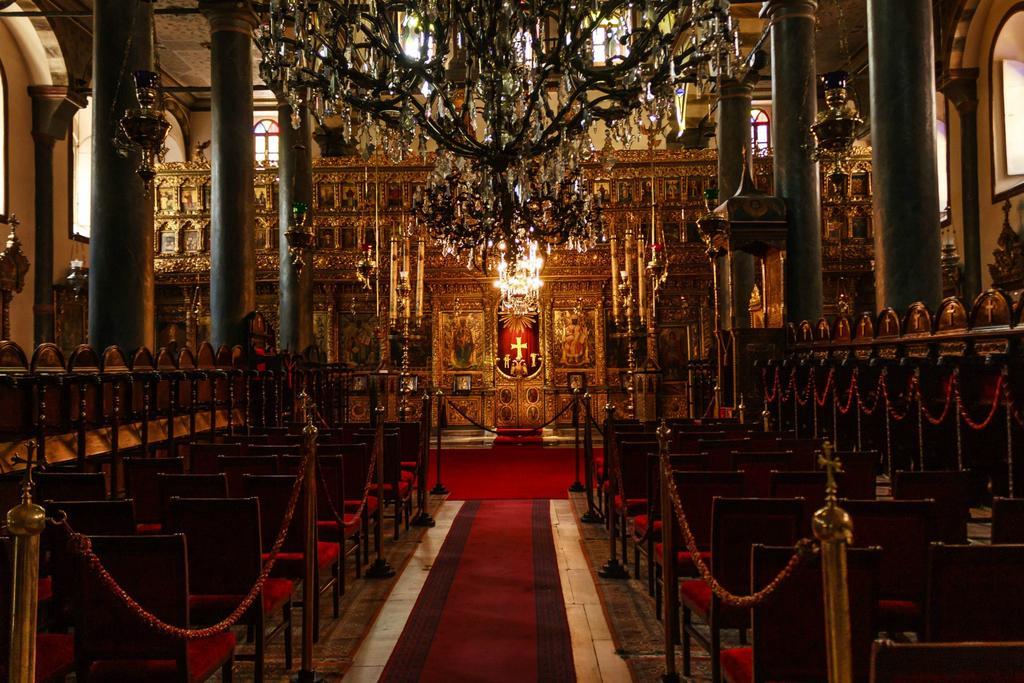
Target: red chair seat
(293, 564)
(696, 595)
(55, 656)
(148, 528)
(45, 589)
(640, 524)
(328, 528)
(633, 505)
(409, 464)
(684, 561)
(899, 615)
(408, 476)
(738, 664)
(371, 505)
(209, 609)
(205, 656)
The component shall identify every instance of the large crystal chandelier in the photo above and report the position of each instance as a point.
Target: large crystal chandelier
(507, 90)
(520, 282)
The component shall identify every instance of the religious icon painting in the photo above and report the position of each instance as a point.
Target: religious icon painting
(325, 196)
(859, 185)
(167, 199)
(169, 242)
(262, 200)
(464, 340)
(672, 352)
(671, 190)
(463, 384)
(359, 383)
(349, 237)
(575, 334)
(325, 238)
(349, 198)
(394, 195)
(624, 190)
(204, 193)
(576, 380)
(189, 200)
(359, 347)
(193, 240)
(518, 344)
(860, 227)
(602, 189)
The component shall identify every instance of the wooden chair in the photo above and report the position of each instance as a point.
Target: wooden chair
(974, 593)
(697, 493)
(903, 529)
(948, 662)
(70, 486)
(757, 468)
(737, 524)
(202, 457)
(189, 486)
(859, 473)
(633, 499)
(951, 492)
(235, 467)
(788, 628)
(273, 493)
(140, 484)
(224, 561)
(356, 459)
(153, 570)
(1008, 520)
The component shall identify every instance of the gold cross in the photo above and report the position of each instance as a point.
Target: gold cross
(518, 347)
(832, 466)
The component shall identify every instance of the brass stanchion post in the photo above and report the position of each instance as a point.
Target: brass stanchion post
(423, 517)
(577, 485)
(670, 601)
(591, 516)
(834, 529)
(439, 488)
(380, 569)
(25, 522)
(612, 569)
(310, 587)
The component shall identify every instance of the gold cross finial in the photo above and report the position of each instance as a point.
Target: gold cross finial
(832, 466)
(663, 433)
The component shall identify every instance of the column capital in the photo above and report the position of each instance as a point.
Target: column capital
(776, 10)
(53, 107)
(961, 87)
(236, 16)
(731, 88)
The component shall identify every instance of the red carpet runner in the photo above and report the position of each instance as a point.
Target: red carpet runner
(491, 609)
(506, 472)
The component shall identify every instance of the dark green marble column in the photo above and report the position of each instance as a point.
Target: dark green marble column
(794, 106)
(121, 242)
(295, 168)
(906, 187)
(960, 88)
(232, 246)
(734, 143)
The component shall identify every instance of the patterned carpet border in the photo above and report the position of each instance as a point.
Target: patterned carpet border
(554, 644)
(413, 646)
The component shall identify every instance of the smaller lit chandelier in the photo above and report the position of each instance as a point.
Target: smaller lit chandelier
(520, 283)
(144, 129)
(835, 129)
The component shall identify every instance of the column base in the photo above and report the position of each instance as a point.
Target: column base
(613, 570)
(423, 519)
(591, 517)
(577, 487)
(304, 676)
(380, 569)
(670, 678)
(439, 490)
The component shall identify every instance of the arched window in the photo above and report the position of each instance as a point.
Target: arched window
(607, 37)
(3, 142)
(81, 174)
(1006, 78)
(760, 132)
(267, 136)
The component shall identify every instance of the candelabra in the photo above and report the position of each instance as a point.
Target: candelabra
(144, 129)
(626, 295)
(402, 325)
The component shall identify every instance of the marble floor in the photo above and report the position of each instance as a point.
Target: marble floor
(594, 651)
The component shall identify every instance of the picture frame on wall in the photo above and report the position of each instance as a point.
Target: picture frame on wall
(463, 384)
(359, 383)
(169, 242)
(576, 380)
(412, 383)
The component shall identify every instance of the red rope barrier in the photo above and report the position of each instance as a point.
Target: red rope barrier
(936, 421)
(824, 393)
(993, 409)
(850, 396)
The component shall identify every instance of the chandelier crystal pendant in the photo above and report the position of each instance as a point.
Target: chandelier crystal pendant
(507, 91)
(520, 282)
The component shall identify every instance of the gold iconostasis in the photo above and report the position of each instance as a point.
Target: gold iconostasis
(501, 370)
